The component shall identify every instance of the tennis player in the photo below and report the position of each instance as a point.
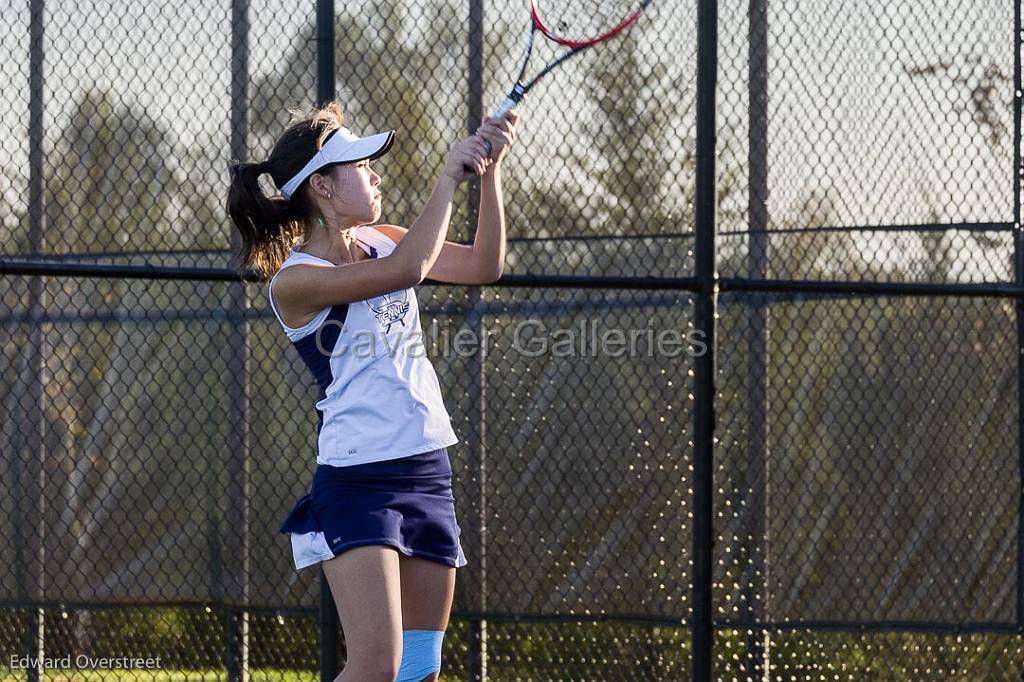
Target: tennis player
(380, 515)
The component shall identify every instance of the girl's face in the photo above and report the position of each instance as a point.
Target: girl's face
(355, 197)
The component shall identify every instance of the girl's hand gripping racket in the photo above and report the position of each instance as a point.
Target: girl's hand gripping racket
(575, 24)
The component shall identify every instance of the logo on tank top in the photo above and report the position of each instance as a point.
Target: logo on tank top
(390, 308)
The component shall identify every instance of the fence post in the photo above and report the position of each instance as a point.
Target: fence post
(1018, 260)
(29, 483)
(325, 91)
(237, 366)
(755, 579)
(476, 320)
(704, 321)
(330, 628)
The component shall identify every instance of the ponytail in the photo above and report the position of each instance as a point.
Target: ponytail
(268, 225)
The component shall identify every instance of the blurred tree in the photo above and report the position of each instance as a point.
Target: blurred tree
(390, 75)
(989, 97)
(13, 228)
(989, 88)
(646, 165)
(109, 186)
(643, 162)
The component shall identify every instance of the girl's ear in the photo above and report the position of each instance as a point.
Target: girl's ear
(316, 181)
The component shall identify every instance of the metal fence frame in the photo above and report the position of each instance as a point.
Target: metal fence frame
(705, 286)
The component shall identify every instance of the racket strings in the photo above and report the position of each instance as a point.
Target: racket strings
(582, 20)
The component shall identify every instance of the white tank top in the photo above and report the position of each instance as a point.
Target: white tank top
(379, 395)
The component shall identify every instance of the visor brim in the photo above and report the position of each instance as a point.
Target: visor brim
(338, 150)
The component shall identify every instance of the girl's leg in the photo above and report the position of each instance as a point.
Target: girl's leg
(365, 583)
(428, 588)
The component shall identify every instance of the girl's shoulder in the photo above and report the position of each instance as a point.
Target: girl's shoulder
(381, 237)
(393, 233)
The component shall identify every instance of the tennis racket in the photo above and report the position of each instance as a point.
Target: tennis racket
(573, 24)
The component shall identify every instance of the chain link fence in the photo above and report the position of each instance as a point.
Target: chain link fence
(848, 508)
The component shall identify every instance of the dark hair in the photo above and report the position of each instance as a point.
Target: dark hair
(270, 226)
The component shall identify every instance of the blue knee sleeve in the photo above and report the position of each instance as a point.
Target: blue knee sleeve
(421, 654)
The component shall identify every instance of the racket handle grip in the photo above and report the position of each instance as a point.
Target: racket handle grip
(506, 106)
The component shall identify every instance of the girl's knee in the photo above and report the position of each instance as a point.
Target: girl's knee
(379, 661)
(381, 670)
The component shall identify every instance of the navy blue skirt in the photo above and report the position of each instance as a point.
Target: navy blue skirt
(405, 503)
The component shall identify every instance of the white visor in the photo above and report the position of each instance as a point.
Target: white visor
(341, 147)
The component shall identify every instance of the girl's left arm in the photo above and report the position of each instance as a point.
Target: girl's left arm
(488, 251)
